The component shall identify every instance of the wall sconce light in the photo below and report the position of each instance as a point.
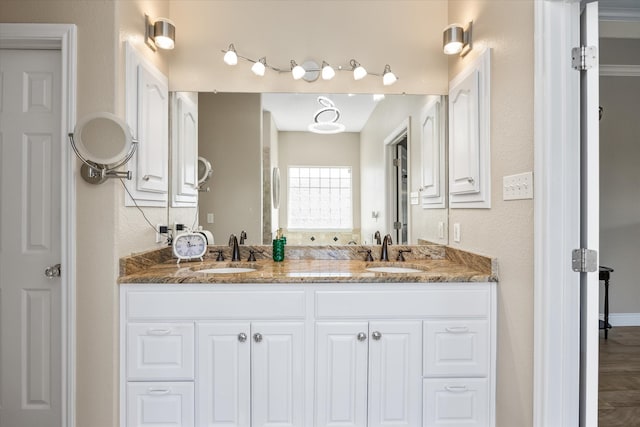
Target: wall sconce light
(359, 72)
(309, 70)
(388, 78)
(327, 71)
(297, 72)
(161, 33)
(456, 39)
(230, 56)
(259, 66)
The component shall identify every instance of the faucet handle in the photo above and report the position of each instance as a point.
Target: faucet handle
(220, 256)
(369, 257)
(252, 254)
(401, 253)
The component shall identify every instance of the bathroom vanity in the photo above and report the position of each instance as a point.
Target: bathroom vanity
(309, 343)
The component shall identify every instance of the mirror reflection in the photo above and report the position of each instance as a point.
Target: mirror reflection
(360, 172)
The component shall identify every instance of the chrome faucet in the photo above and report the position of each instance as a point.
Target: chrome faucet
(243, 236)
(235, 253)
(384, 254)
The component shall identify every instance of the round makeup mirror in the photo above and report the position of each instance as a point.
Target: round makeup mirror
(204, 172)
(102, 138)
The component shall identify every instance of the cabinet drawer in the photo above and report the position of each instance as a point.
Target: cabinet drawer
(194, 304)
(455, 348)
(160, 404)
(403, 303)
(160, 351)
(459, 402)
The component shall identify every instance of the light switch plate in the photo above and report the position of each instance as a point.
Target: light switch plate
(517, 187)
(209, 218)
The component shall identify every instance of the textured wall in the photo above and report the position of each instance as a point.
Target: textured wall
(506, 230)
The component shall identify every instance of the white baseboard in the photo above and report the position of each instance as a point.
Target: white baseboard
(623, 319)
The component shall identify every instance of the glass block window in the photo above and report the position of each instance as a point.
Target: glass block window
(320, 198)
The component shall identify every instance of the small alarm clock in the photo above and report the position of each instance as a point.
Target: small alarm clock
(189, 246)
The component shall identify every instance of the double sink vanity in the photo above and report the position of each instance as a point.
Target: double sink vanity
(323, 338)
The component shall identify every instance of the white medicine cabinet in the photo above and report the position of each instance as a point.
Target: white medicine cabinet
(147, 113)
(469, 136)
(184, 149)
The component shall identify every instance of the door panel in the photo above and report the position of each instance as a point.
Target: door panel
(30, 317)
(341, 368)
(277, 357)
(590, 222)
(223, 393)
(395, 374)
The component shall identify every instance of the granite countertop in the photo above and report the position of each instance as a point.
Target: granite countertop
(310, 264)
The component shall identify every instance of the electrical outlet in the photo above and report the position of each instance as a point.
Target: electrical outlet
(517, 187)
(456, 232)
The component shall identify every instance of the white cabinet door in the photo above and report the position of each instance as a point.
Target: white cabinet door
(433, 155)
(160, 351)
(341, 374)
(224, 377)
(469, 135)
(395, 377)
(277, 361)
(159, 404)
(456, 348)
(456, 402)
(463, 136)
(184, 150)
(147, 111)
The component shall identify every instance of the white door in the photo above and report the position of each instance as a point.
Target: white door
(30, 317)
(277, 360)
(224, 376)
(341, 374)
(395, 373)
(590, 222)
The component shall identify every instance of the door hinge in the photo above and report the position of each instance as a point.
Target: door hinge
(396, 163)
(584, 260)
(584, 57)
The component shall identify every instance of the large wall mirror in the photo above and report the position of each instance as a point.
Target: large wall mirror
(337, 186)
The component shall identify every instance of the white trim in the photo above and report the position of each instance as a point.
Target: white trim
(611, 70)
(556, 373)
(404, 128)
(63, 37)
(623, 319)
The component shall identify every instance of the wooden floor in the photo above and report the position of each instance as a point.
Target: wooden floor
(619, 389)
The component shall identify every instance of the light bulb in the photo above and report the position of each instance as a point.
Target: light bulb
(453, 39)
(164, 33)
(388, 78)
(297, 71)
(231, 57)
(359, 73)
(327, 71)
(259, 67)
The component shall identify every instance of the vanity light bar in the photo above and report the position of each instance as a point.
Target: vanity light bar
(309, 70)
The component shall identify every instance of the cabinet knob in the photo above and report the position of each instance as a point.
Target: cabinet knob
(257, 337)
(376, 335)
(362, 336)
(242, 337)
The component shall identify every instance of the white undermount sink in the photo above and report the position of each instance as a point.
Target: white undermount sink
(226, 270)
(393, 270)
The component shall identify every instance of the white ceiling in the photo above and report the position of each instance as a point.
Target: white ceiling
(295, 111)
